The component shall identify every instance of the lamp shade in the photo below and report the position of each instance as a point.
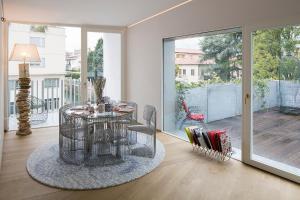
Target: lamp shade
(25, 53)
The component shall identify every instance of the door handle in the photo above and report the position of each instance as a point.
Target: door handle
(247, 96)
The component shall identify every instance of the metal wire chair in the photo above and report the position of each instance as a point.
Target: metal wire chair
(146, 134)
(92, 139)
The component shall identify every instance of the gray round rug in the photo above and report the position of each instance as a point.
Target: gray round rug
(45, 166)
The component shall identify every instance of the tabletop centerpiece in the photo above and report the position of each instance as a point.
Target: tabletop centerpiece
(99, 84)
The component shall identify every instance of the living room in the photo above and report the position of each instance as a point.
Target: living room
(150, 100)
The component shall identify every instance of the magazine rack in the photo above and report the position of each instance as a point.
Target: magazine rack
(212, 153)
(220, 155)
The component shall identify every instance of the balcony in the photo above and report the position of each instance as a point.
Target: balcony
(276, 118)
(53, 93)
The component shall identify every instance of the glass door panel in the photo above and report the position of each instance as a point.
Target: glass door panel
(276, 98)
(104, 59)
(55, 80)
(204, 73)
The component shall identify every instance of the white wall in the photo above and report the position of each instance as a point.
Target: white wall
(144, 62)
(112, 64)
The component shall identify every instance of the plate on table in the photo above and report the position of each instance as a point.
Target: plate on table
(122, 105)
(77, 108)
(126, 109)
(77, 113)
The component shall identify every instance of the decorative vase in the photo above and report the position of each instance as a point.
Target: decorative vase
(101, 108)
(99, 84)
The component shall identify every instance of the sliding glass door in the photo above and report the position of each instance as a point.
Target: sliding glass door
(203, 84)
(276, 99)
(55, 80)
(246, 83)
(104, 59)
(71, 58)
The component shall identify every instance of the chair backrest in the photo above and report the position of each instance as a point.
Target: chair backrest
(150, 116)
(185, 106)
(63, 117)
(134, 105)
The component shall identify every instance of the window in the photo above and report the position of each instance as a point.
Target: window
(276, 97)
(51, 82)
(192, 72)
(50, 105)
(38, 41)
(12, 108)
(12, 88)
(12, 84)
(217, 99)
(39, 64)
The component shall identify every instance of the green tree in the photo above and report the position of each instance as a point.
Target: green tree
(95, 59)
(275, 52)
(226, 50)
(275, 57)
(267, 53)
(39, 28)
(289, 68)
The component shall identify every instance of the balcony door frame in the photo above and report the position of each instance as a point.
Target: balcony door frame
(247, 137)
(84, 29)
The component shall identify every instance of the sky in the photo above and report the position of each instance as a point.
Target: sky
(187, 43)
(73, 38)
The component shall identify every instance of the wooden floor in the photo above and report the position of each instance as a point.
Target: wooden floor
(276, 135)
(182, 175)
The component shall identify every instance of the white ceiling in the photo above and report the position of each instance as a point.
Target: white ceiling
(97, 12)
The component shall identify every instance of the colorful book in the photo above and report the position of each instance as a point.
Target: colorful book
(196, 141)
(225, 143)
(188, 133)
(212, 138)
(194, 138)
(200, 138)
(218, 143)
(206, 140)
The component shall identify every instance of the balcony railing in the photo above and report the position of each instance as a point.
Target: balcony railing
(54, 92)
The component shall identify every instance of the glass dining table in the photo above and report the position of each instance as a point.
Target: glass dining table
(94, 138)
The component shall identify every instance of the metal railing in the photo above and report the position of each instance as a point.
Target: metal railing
(54, 92)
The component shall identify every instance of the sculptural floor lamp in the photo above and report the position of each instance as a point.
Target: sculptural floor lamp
(24, 53)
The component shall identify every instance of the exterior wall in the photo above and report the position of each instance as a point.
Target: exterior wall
(53, 52)
(220, 101)
(144, 41)
(73, 60)
(189, 77)
(75, 63)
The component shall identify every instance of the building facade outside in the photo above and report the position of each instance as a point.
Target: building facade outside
(48, 75)
(73, 60)
(190, 67)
